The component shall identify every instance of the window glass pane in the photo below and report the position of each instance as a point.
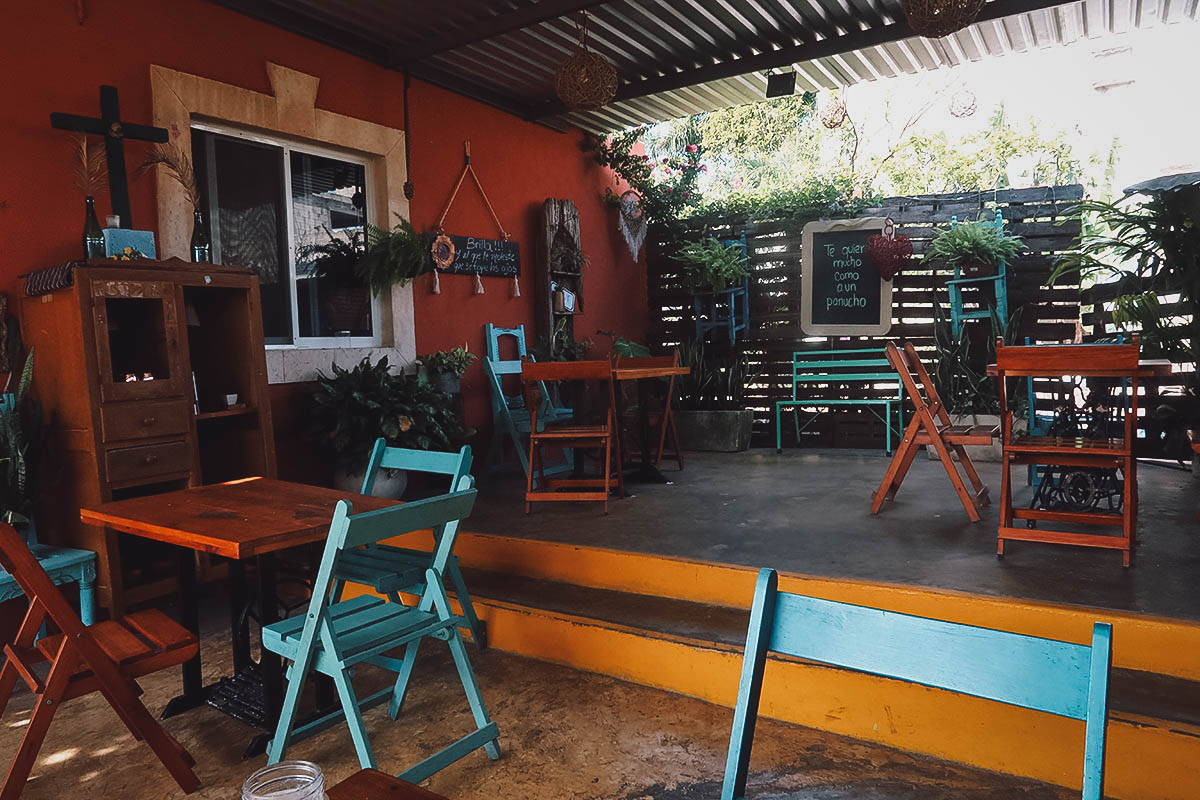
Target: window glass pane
(241, 185)
(329, 204)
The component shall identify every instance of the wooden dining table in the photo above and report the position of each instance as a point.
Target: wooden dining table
(249, 519)
(646, 472)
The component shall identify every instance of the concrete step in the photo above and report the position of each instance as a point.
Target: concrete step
(1133, 692)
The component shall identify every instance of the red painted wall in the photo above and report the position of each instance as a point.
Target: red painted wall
(51, 63)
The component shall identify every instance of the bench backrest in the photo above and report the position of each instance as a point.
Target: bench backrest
(1063, 678)
(840, 366)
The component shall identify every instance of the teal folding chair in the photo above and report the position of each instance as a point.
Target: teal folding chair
(510, 418)
(390, 570)
(1062, 678)
(334, 638)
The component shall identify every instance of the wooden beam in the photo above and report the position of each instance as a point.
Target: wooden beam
(503, 22)
(787, 56)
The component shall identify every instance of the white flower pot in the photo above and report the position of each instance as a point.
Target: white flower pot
(388, 482)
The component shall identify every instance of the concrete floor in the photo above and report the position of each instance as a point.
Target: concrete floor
(808, 511)
(565, 734)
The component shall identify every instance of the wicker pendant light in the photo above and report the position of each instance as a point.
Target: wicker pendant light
(585, 81)
(833, 111)
(936, 18)
(963, 103)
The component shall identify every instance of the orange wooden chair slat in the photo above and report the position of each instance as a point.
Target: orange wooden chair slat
(601, 436)
(1090, 360)
(931, 426)
(662, 421)
(105, 657)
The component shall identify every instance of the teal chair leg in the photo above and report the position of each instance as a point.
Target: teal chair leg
(400, 690)
(87, 601)
(354, 720)
(464, 601)
(778, 429)
(471, 688)
(887, 426)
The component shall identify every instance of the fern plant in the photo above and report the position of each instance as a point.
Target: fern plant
(710, 265)
(393, 257)
(973, 248)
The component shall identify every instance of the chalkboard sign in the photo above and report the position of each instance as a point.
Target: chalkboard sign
(494, 257)
(842, 292)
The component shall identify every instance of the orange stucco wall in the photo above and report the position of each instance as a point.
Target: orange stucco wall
(49, 62)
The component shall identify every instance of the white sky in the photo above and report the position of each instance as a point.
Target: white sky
(1156, 116)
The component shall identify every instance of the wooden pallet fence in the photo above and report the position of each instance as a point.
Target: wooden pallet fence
(1042, 216)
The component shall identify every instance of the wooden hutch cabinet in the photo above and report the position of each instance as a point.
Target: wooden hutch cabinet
(134, 363)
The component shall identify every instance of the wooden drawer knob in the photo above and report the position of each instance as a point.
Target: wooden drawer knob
(150, 459)
(148, 421)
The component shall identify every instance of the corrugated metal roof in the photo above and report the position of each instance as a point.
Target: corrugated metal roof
(679, 57)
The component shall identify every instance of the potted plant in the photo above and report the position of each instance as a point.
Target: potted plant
(393, 257)
(710, 265)
(711, 411)
(445, 368)
(567, 256)
(973, 249)
(351, 408)
(20, 422)
(561, 345)
(334, 263)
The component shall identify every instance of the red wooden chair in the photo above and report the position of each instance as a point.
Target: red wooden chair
(1106, 361)
(662, 421)
(106, 657)
(601, 436)
(931, 426)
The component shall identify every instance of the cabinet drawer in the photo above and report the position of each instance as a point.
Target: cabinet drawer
(131, 463)
(143, 420)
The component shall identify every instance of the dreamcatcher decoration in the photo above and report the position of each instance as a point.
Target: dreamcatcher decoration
(936, 18)
(585, 80)
(889, 251)
(631, 222)
(833, 112)
(442, 249)
(963, 103)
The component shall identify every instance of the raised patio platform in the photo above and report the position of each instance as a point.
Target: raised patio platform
(807, 511)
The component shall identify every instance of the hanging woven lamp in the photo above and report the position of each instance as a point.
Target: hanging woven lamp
(936, 18)
(585, 81)
(833, 111)
(963, 103)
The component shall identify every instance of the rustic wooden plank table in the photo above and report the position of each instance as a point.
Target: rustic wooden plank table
(371, 784)
(253, 518)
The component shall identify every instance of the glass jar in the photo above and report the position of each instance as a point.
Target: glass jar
(287, 780)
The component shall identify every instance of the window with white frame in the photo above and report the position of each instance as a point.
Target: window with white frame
(275, 206)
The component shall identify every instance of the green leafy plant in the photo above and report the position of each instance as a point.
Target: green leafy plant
(455, 360)
(1149, 250)
(716, 382)
(710, 265)
(626, 348)
(369, 256)
(351, 408)
(969, 245)
(20, 424)
(960, 376)
(666, 185)
(560, 345)
(567, 257)
(394, 257)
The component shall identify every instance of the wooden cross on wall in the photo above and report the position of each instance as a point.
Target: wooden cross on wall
(115, 132)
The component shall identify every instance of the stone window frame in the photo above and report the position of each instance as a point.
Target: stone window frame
(179, 98)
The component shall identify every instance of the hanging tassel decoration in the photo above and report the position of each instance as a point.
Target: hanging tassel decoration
(516, 287)
(478, 285)
(437, 284)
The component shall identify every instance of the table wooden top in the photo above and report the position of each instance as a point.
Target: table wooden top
(239, 519)
(1147, 368)
(637, 373)
(371, 784)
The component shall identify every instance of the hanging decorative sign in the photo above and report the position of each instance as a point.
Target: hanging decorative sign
(842, 293)
(470, 255)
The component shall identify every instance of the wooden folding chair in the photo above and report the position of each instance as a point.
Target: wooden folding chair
(662, 421)
(389, 569)
(603, 436)
(335, 638)
(931, 426)
(106, 657)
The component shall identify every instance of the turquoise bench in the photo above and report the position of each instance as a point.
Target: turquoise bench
(837, 367)
(1062, 678)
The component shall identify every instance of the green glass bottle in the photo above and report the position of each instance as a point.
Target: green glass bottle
(93, 236)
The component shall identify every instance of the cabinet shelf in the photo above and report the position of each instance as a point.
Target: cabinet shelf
(227, 412)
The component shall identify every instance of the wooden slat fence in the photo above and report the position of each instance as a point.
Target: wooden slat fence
(1041, 216)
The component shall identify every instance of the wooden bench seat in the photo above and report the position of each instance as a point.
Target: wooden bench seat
(1048, 445)
(969, 434)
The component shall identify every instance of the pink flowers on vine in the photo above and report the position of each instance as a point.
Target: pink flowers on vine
(691, 148)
